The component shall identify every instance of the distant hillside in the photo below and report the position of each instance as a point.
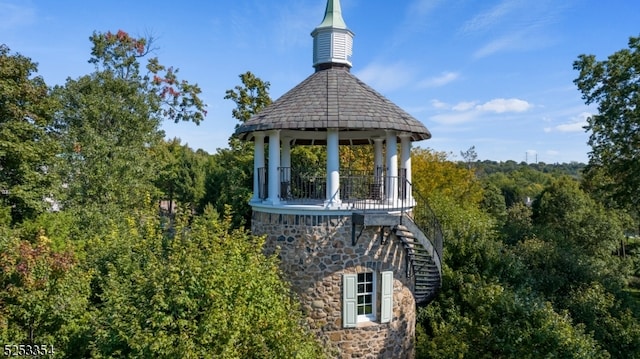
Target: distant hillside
(573, 169)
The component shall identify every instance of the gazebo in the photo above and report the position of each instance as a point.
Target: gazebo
(360, 248)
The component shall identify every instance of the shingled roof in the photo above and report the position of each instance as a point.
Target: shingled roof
(334, 98)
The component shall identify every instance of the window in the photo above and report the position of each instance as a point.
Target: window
(366, 297)
(360, 298)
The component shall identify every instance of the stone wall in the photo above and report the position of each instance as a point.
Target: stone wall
(315, 251)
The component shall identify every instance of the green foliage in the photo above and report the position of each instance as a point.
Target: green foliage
(171, 98)
(182, 173)
(229, 181)
(433, 173)
(250, 97)
(518, 224)
(614, 85)
(27, 145)
(44, 292)
(566, 210)
(494, 321)
(107, 276)
(207, 290)
(110, 122)
(493, 203)
(543, 283)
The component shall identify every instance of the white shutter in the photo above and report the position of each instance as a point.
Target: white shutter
(349, 300)
(386, 307)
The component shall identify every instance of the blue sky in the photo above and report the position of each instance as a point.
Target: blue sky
(494, 74)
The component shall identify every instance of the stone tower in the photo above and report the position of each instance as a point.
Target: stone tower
(361, 249)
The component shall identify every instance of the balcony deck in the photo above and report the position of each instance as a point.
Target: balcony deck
(371, 192)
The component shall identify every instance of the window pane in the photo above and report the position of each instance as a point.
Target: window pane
(369, 277)
(369, 287)
(368, 309)
(361, 288)
(360, 299)
(361, 277)
(367, 298)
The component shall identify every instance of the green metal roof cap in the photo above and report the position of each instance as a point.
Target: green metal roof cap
(333, 16)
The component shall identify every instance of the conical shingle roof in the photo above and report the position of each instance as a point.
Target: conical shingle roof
(334, 98)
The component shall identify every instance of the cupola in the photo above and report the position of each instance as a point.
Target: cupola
(332, 40)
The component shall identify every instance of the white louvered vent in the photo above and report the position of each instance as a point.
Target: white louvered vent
(322, 48)
(339, 50)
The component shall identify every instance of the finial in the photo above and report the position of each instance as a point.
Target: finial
(333, 15)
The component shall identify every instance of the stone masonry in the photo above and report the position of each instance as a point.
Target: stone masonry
(315, 251)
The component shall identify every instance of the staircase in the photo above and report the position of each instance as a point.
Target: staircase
(415, 224)
(423, 262)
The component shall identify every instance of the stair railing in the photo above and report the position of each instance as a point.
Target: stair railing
(425, 218)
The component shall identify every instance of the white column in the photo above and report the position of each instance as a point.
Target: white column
(392, 167)
(258, 162)
(405, 163)
(333, 168)
(274, 163)
(285, 160)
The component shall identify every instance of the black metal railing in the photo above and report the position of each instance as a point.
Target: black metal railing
(301, 185)
(365, 189)
(425, 218)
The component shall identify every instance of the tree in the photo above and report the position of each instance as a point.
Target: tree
(27, 144)
(208, 291)
(614, 85)
(250, 97)
(230, 180)
(469, 156)
(544, 285)
(181, 176)
(110, 121)
(44, 293)
(433, 173)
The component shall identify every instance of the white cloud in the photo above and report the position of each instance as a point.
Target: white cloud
(464, 106)
(503, 43)
(514, 25)
(386, 77)
(570, 127)
(439, 104)
(443, 79)
(467, 111)
(454, 118)
(575, 124)
(501, 105)
(489, 18)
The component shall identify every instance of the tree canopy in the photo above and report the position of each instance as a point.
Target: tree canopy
(27, 144)
(106, 274)
(539, 260)
(614, 85)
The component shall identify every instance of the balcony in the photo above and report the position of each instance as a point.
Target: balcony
(358, 190)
